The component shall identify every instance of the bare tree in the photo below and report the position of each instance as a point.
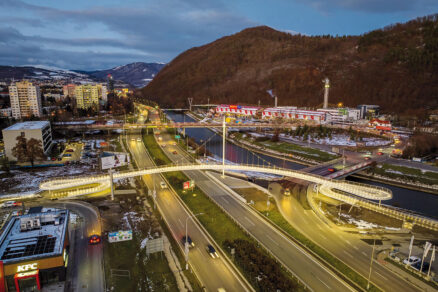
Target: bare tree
(28, 150)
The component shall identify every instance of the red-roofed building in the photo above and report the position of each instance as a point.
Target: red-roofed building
(380, 125)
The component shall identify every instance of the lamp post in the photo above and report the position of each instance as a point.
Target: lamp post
(371, 264)
(186, 244)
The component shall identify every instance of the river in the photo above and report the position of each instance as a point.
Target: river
(417, 201)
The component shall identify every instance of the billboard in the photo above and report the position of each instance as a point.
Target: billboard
(120, 235)
(115, 160)
(188, 184)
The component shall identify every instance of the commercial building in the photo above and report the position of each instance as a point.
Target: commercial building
(238, 109)
(34, 250)
(88, 95)
(380, 125)
(25, 100)
(368, 111)
(341, 114)
(39, 130)
(292, 112)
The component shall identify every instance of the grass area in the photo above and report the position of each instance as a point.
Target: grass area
(126, 258)
(275, 216)
(218, 224)
(407, 173)
(293, 149)
(127, 266)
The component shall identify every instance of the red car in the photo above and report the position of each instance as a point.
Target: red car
(94, 239)
(331, 169)
(379, 153)
(174, 152)
(367, 158)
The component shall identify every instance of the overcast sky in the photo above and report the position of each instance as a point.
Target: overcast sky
(101, 34)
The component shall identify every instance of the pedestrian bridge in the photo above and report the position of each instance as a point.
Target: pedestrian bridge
(355, 189)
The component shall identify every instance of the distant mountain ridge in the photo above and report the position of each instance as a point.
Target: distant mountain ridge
(395, 67)
(137, 74)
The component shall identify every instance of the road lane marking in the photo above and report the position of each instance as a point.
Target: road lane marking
(272, 239)
(348, 241)
(348, 253)
(226, 201)
(365, 254)
(381, 275)
(181, 222)
(323, 237)
(247, 219)
(323, 283)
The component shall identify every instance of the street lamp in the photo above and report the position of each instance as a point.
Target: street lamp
(186, 243)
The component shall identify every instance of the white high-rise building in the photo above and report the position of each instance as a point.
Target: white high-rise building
(25, 100)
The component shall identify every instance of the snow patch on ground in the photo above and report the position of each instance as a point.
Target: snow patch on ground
(361, 224)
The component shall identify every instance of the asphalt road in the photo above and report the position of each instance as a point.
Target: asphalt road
(87, 272)
(213, 273)
(348, 247)
(304, 266)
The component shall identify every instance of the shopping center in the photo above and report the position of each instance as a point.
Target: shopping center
(34, 250)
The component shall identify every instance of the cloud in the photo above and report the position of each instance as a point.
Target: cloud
(152, 32)
(374, 6)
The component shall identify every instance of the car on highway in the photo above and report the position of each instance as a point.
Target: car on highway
(412, 260)
(163, 185)
(173, 143)
(94, 239)
(211, 251)
(174, 152)
(331, 169)
(367, 158)
(163, 145)
(189, 241)
(138, 140)
(287, 192)
(132, 139)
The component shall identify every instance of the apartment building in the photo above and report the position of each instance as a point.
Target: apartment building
(25, 100)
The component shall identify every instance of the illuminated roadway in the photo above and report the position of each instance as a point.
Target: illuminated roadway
(310, 271)
(213, 273)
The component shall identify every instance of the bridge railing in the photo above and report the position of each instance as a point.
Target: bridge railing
(364, 190)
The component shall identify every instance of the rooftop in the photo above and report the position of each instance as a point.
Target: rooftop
(33, 125)
(34, 235)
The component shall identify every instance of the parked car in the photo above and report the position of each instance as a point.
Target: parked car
(412, 260)
(94, 239)
(174, 152)
(211, 251)
(380, 153)
(417, 266)
(189, 241)
(331, 169)
(69, 150)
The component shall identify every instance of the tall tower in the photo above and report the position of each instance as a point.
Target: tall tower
(326, 92)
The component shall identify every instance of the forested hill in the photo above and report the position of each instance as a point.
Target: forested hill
(396, 67)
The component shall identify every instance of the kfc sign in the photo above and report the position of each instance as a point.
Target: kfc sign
(28, 267)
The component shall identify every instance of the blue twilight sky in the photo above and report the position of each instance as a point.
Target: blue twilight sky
(100, 34)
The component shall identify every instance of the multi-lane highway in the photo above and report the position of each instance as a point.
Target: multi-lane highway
(305, 267)
(213, 273)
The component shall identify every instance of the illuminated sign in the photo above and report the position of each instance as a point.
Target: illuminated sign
(27, 274)
(25, 268)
